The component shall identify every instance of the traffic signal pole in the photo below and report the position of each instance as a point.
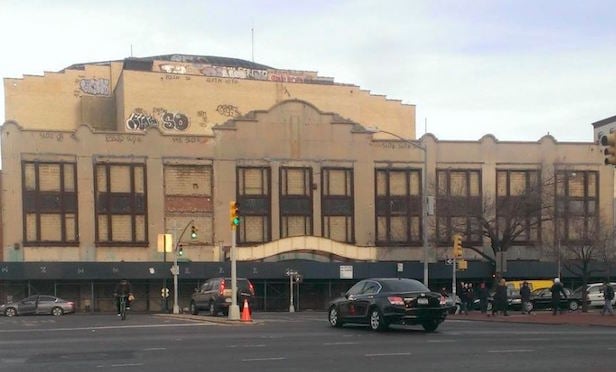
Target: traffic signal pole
(175, 269)
(234, 219)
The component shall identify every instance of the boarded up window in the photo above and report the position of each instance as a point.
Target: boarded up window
(121, 203)
(337, 204)
(398, 209)
(50, 203)
(295, 201)
(253, 187)
(577, 200)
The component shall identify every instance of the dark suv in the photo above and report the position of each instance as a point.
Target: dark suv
(215, 296)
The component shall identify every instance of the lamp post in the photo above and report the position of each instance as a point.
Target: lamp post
(424, 196)
(175, 269)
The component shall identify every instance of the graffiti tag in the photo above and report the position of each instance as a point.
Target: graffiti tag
(228, 110)
(97, 87)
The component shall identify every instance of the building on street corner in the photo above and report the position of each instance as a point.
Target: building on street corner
(100, 158)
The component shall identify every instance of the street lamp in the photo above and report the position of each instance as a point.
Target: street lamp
(424, 194)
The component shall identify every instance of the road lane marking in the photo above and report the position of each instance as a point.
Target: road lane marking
(512, 351)
(440, 341)
(262, 359)
(340, 343)
(104, 327)
(155, 349)
(245, 346)
(127, 365)
(386, 354)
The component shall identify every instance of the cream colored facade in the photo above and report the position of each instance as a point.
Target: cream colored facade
(159, 149)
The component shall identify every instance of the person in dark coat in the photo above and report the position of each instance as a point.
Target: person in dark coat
(525, 297)
(500, 298)
(483, 297)
(557, 289)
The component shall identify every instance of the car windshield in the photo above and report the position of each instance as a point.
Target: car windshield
(403, 285)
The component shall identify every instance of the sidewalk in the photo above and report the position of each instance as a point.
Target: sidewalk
(592, 317)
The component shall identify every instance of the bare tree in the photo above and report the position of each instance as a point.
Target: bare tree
(514, 216)
(586, 253)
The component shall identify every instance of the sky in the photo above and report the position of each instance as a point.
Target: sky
(516, 69)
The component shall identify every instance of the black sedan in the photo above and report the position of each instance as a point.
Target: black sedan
(542, 299)
(384, 301)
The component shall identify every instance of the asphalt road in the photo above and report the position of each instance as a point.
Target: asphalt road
(294, 342)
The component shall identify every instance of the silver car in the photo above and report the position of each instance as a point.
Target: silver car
(38, 304)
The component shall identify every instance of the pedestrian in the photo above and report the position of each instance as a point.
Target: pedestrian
(557, 289)
(470, 297)
(608, 296)
(483, 297)
(464, 298)
(500, 298)
(525, 297)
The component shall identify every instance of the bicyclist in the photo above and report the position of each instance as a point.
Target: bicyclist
(123, 289)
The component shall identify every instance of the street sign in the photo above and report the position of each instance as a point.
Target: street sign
(449, 261)
(175, 270)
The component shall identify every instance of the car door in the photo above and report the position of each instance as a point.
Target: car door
(347, 306)
(27, 305)
(45, 304)
(542, 298)
(365, 298)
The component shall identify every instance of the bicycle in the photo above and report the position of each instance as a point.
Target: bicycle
(123, 307)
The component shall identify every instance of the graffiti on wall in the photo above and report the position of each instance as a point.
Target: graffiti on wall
(202, 115)
(228, 111)
(96, 87)
(141, 120)
(237, 72)
(173, 69)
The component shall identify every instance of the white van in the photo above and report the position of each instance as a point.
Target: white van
(595, 293)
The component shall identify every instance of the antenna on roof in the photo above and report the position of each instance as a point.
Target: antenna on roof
(131, 50)
(252, 31)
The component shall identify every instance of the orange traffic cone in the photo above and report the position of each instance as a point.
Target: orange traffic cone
(246, 313)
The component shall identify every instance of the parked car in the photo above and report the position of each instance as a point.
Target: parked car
(38, 304)
(215, 295)
(595, 293)
(380, 302)
(542, 299)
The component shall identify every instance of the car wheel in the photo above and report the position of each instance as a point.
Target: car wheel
(213, 311)
(573, 305)
(57, 311)
(377, 322)
(334, 317)
(10, 311)
(430, 325)
(193, 309)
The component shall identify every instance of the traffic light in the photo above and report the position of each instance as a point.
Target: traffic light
(193, 232)
(457, 246)
(234, 213)
(609, 140)
(180, 250)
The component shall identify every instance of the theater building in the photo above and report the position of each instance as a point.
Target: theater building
(100, 159)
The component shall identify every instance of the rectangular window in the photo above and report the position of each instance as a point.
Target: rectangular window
(576, 215)
(398, 207)
(519, 205)
(50, 203)
(337, 204)
(120, 199)
(458, 205)
(295, 202)
(254, 198)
